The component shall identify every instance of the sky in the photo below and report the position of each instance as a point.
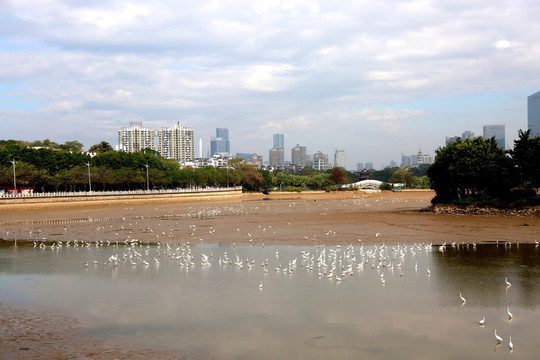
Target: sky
(376, 78)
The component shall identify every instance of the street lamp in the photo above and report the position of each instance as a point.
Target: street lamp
(147, 180)
(89, 177)
(14, 178)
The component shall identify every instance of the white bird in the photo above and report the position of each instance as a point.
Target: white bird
(260, 285)
(510, 344)
(510, 316)
(499, 339)
(462, 298)
(483, 321)
(507, 282)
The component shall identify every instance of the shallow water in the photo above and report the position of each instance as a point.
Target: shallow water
(387, 305)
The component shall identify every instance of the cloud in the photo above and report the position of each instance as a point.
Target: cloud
(323, 72)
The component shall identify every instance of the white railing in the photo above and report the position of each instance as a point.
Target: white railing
(120, 193)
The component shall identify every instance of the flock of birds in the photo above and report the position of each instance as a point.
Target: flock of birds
(336, 263)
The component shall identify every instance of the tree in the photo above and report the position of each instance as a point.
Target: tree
(101, 148)
(470, 168)
(403, 176)
(385, 174)
(526, 159)
(252, 180)
(72, 146)
(338, 176)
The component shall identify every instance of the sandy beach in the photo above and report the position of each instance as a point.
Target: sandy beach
(303, 219)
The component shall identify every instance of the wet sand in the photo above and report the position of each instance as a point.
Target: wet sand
(278, 219)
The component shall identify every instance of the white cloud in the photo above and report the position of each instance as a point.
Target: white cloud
(324, 71)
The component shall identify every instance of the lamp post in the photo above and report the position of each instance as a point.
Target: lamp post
(147, 179)
(89, 176)
(14, 177)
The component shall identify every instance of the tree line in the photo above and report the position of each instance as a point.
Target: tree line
(52, 167)
(478, 171)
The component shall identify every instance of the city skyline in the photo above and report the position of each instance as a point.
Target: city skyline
(376, 79)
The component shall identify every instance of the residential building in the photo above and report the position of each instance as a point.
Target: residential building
(360, 166)
(369, 166)
(320, 162)
(277, 153)
(276, 157)
(135, 137)
(496, 131)
(467, 134)
(299, 156)
(533, 114)
(174, 142)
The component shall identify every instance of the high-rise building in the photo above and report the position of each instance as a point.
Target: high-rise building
(222, 133)
(496, 131)
(174, 142)
(369, 166)
(277, 153)
(340, 158)
(405, 160)
(320, 161)
(299, 156)
(533, 114)
(220, 144)
(467, 134)
(279, 141)
(360, 166)
(276, 156)
(135, 137)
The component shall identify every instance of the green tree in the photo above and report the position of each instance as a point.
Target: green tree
(526, 159)
(72, 146)
(403, 176)
(101, 148)
(385, 174)
(470, 168)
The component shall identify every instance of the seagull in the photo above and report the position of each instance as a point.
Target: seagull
(510, 316)
(483, 321)
(462, 298)
(499, 339)
(510, 344)
(507, 283)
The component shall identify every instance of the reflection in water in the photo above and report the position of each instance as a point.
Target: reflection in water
(315, 302)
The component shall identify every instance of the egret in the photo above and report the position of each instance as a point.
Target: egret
(499, 339)
(462, 298)
(261, 285)
(483, 321)
(510, 316)
(507, 282)
(510, 344)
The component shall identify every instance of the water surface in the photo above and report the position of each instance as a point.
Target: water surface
(206, 301)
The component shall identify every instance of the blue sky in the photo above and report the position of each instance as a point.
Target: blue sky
(375, 78)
